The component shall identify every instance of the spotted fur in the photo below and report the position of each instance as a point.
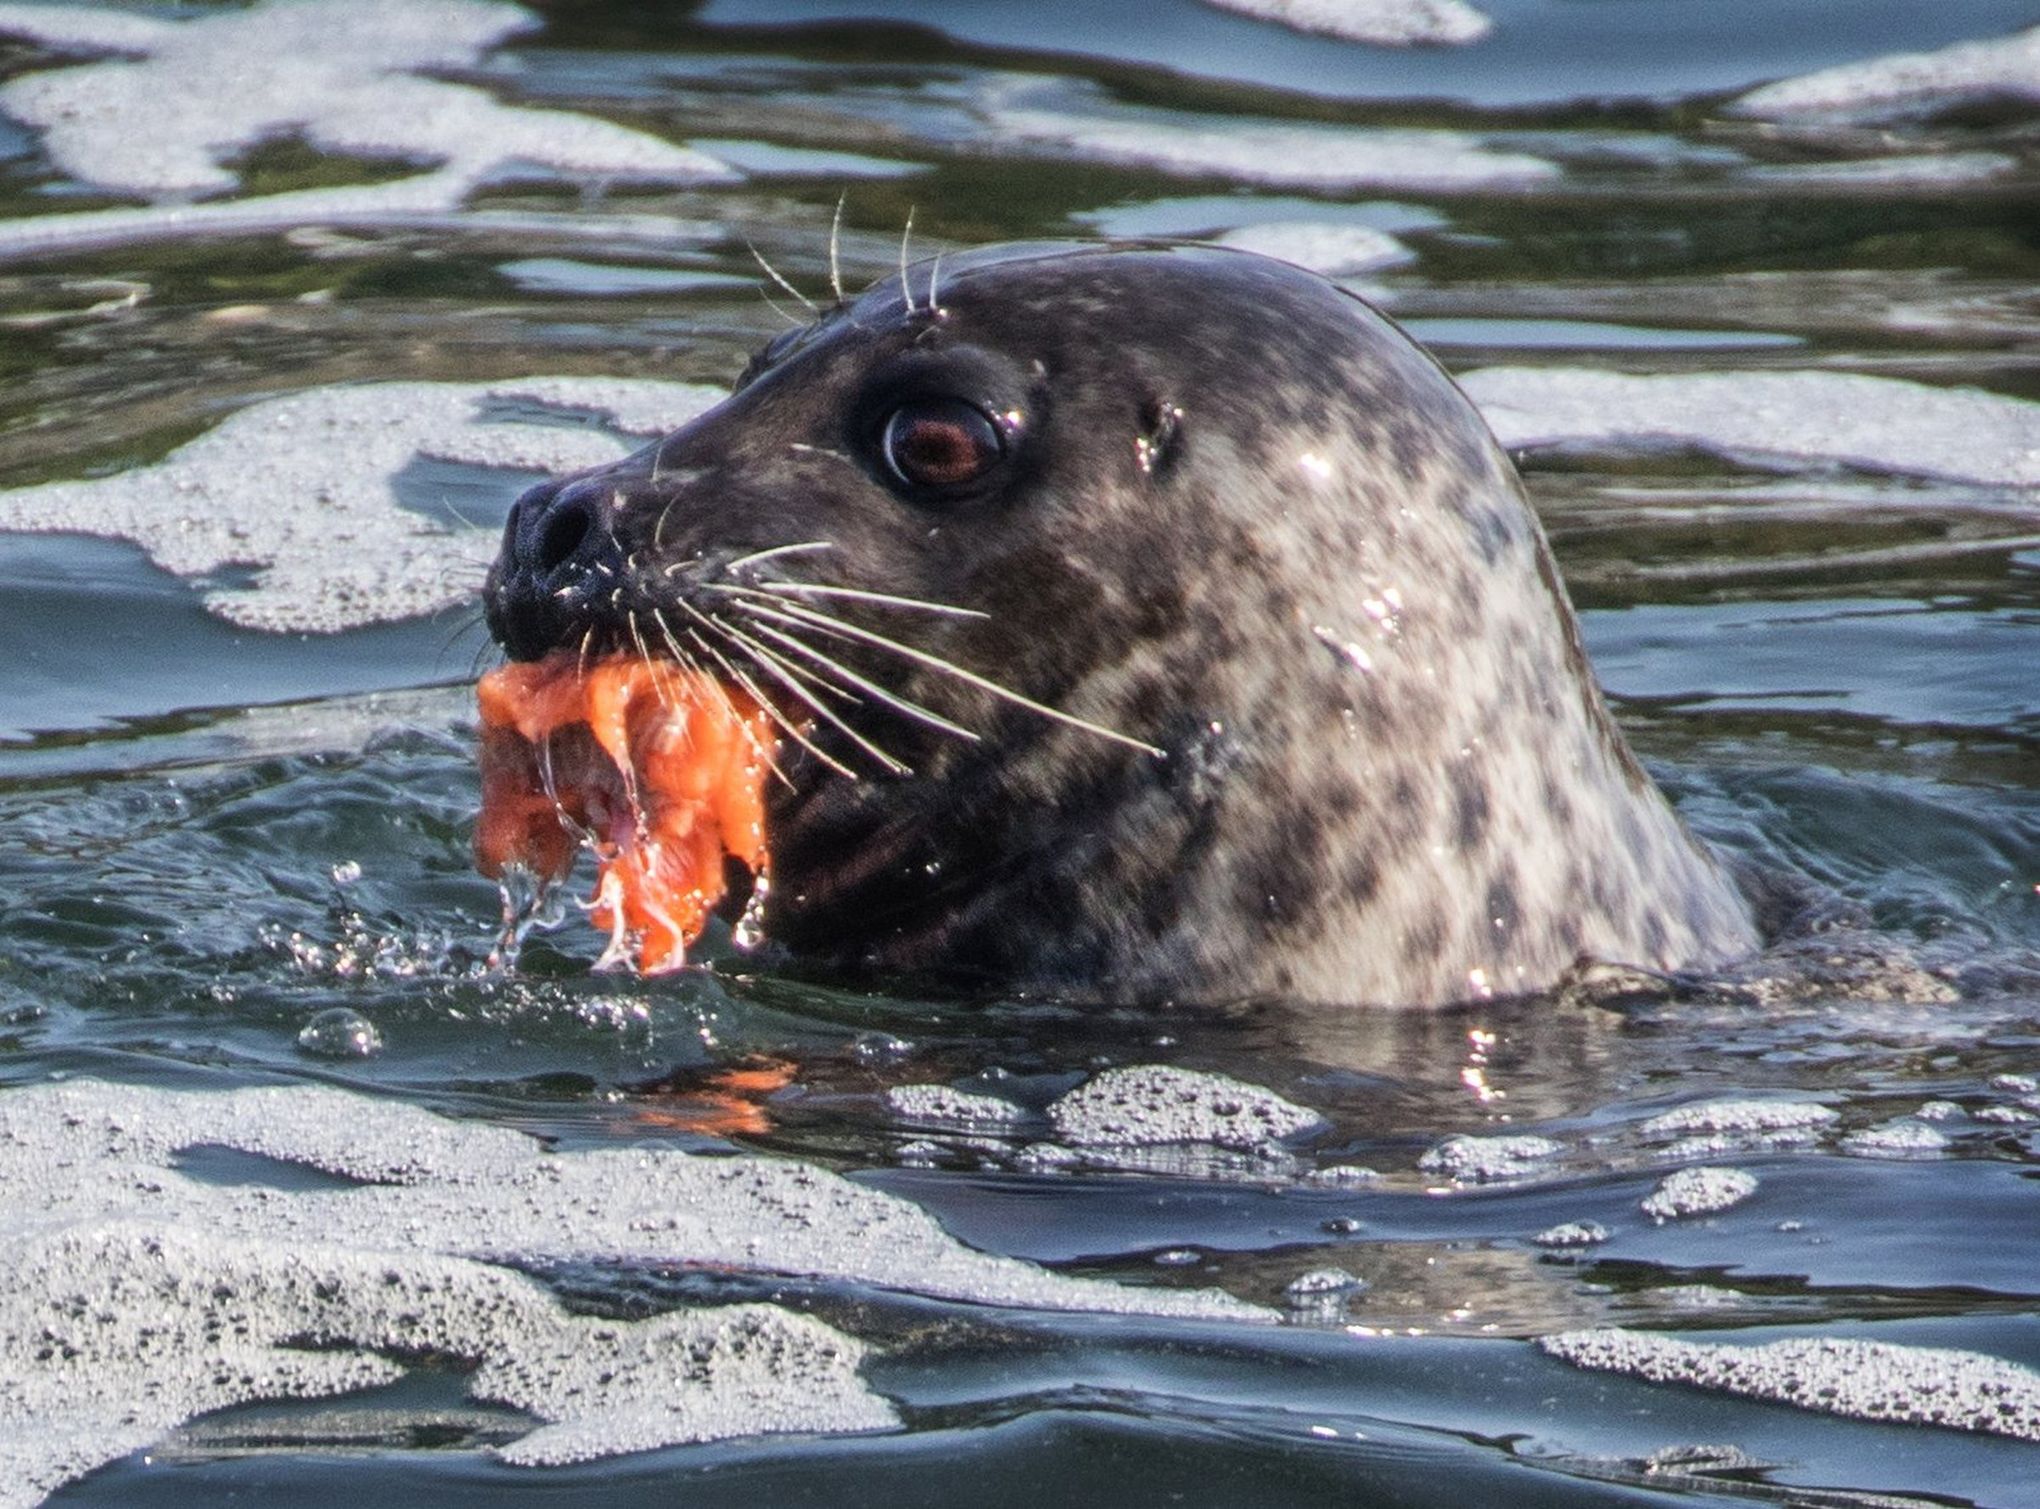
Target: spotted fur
(1246, 522)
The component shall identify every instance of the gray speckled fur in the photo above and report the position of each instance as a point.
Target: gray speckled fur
(1389, 777)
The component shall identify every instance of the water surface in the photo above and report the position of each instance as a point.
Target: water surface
(211, 832)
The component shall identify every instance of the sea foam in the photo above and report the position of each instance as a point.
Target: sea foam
(148, 1283)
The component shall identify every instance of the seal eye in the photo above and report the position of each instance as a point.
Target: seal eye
(941, 444)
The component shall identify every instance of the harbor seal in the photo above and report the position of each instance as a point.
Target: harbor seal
(1148, 624)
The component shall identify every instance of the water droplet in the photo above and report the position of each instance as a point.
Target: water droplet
(529, 902)
(340, 1032)
(874, 1049)
(1319, 1282)
(1321, 1296)
(750, 929)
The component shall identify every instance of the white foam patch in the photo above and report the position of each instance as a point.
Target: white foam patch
(1341, 1176)
(765, 159)
(1738, 1116)
(939, 1105)
(2007, 1115)
(300, 491)
(1698, 1192)
(1321, 1281)
(1203, 1161)
(343, 74)
(1717, 1127)
(1266, 152)
(1153, 1105)
(1335, 250)
(1694, 1297)
(1740, 1144)
(74, 28)
(1862, 1380)
(1927, 169)
(1897, 1139)
(605, 279)
(1384, 23)
(182, 1323)
(141, 1295)
(1482, 1160)
(1907, 82)
(406, 204)
(1879, 424)
(1212, 214)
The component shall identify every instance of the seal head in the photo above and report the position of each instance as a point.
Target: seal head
(1149, 624)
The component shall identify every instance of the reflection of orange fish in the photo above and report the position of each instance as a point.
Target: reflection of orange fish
(661, 769)
(725, 1104)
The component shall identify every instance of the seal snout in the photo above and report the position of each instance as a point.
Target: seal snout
(564, 526)
(560, 554)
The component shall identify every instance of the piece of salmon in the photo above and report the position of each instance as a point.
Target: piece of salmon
(659, 769)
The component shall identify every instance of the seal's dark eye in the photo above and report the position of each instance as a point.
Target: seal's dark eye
(940, 444)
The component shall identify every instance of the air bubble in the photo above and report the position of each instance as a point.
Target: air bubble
(340, 1032)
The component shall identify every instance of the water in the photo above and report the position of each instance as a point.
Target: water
(216, 838)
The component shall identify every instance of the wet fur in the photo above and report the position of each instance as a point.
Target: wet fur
(1248, 523)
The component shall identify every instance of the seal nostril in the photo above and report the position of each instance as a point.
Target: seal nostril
(561, 535)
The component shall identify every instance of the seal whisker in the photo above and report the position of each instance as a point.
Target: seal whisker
(779, 671)
(906, 288)
(772, 304)
(637, 637)
(835, 242)
(693, 665)
(774, 274)
(549, 783)
(766, 555)
(464, 624)
(681, 656)
(820, 450)
(785, 724)
(782, 589)
(733, 635)
(627, 767)
(792, 729)
(815, 683)
(451, 574)
(658, 471)
(935, 662)
(662, 678)
(791, 679)
(900, 704)
(736, 674)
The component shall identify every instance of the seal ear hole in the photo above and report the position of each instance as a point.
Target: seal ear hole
(1161, 426)
(940, 445)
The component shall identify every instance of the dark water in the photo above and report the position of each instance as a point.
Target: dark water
(211, 833)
